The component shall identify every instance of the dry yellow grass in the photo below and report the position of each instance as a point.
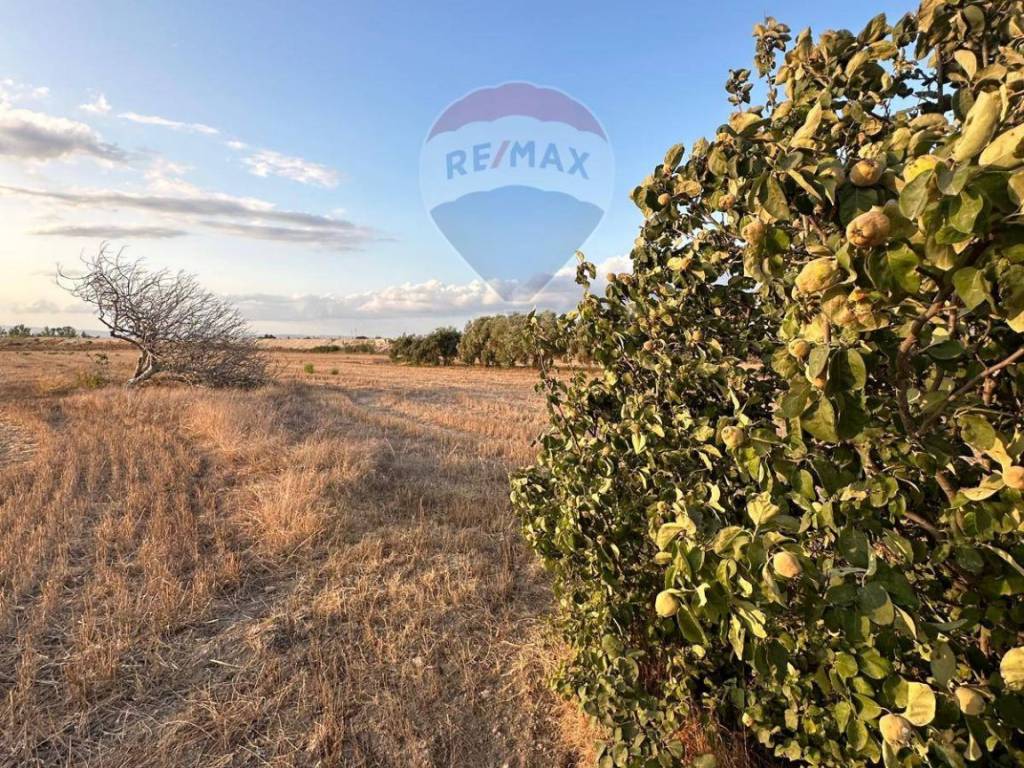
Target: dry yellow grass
(324, 572)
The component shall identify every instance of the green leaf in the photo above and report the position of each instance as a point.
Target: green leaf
(920, 704)
(854, 201)
(846, 665)
(857, 733)
(977, 432)
(817, 361)
(761, 508)
(965, 211)
(875, 602)
(858, 370)
(903, 263)
(673, 156)
(971, 286)
(943, 664)
(821, 421)
(915, 195)
(689, 626)
(774, 199)
(853, 546)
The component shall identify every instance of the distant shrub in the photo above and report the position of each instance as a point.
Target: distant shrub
(439, 347)
(362, 348)
(60, 332)
(334, 371)
(322, 349)
(309, 368)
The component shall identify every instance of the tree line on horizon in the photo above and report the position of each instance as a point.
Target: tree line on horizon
(58, 332)
(492, 341)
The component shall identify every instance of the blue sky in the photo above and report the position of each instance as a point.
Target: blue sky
(322, 108)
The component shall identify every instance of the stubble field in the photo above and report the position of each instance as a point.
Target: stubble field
(322, 572)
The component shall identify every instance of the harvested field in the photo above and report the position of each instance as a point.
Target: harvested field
(322, 572)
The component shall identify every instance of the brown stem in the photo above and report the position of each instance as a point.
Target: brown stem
(945, 484)
(902, 370)
(985, 374)
(924, 524)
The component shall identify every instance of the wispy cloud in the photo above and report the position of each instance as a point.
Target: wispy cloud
(269, 163)
(242, 217)
(344, 239)
(111, 232)
(98, 106)
(47, 307)
(432, 298)
(12, 91)
(164, 122)
(29, 135)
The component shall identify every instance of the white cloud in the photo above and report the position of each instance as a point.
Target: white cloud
(236, 145)
(178, 201)
(12, 91)
(432, 298)
(269, 163)
(111, 232)
(29, 135)
(46, 307)
(164, 122)
(98, 106)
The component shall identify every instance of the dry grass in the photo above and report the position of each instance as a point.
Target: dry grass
(321, 573)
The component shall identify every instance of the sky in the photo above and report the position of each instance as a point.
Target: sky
(273, 149)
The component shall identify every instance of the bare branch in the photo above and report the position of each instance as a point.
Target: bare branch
(178, 327)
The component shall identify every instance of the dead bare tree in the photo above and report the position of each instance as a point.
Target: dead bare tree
(179, 328)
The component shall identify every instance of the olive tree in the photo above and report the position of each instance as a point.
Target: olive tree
(793, 491)
(179, 328)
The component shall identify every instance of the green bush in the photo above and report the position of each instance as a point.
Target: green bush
(505, 340)
(309, 368)
(439, 347)
(792, 492)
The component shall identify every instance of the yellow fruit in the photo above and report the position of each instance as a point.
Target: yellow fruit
(727, 202)
(929, 120)
(819, 381)
(1011, 669)
(664, 198)
(979, 125)
(869, 229)
(859, 294)
(866, 173)
(834, 306)
(799, 348)
(818, 275)
(896, 730)
(754, 232)
(787, 565)
(666, 604)
(971, 702)
(1006, 151)
(1014, 478)
(734, 437)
